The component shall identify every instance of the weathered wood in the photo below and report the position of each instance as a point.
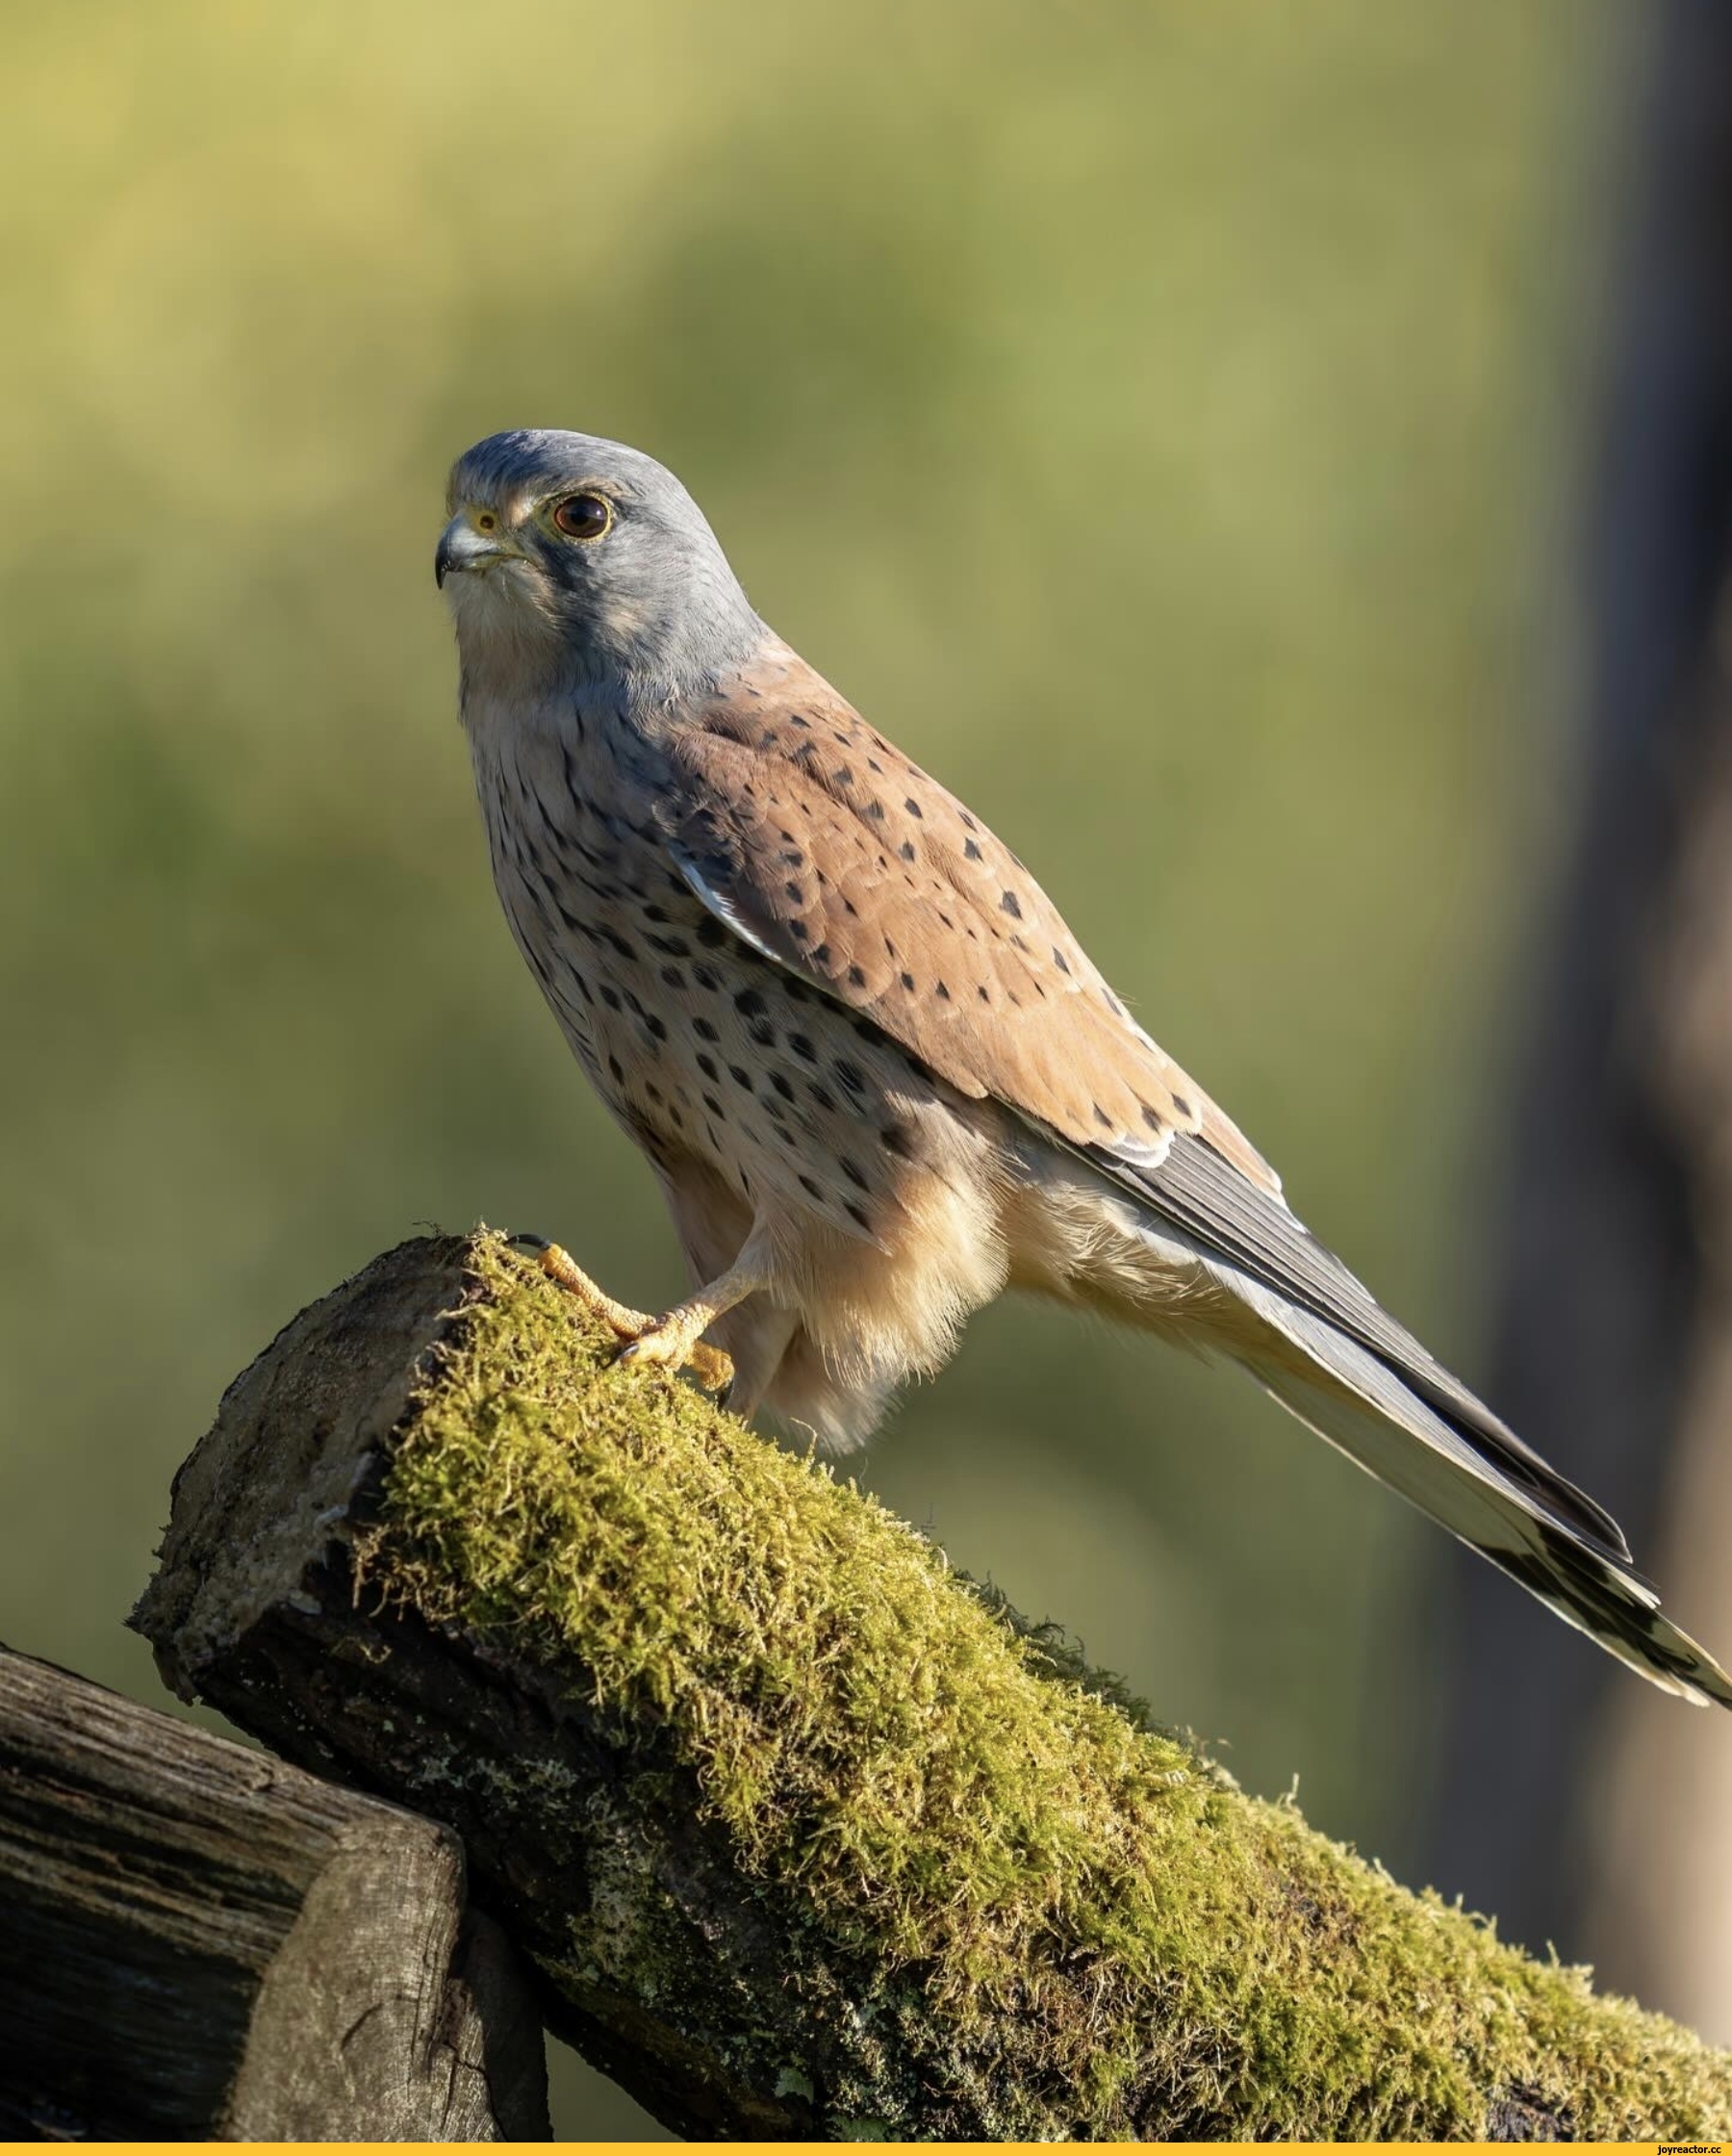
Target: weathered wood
(804, 1841)
(198, 1941)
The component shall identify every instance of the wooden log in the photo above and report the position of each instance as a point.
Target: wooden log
(200, 1942)
(805, 1838)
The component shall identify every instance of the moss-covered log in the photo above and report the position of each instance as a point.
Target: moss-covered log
(805, 1838)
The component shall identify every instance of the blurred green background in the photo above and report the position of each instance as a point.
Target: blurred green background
(1161, 418)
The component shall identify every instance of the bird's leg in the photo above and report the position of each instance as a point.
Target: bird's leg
(671, 1340)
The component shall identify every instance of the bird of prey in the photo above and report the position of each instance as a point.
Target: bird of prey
(879, 1079)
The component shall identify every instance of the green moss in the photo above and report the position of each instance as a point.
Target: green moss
(946, 1793)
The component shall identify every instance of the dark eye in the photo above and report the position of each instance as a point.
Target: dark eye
(584, 516)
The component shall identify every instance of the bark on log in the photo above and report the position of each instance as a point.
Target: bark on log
(197, 1942)
(805, 1838)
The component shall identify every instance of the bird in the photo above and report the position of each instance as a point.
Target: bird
(878, 1078)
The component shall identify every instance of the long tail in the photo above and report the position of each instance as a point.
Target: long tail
(1351, 1396)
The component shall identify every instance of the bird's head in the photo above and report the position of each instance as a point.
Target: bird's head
(568, 550)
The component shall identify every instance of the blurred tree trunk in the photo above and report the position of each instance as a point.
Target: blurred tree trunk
(1616, 1356)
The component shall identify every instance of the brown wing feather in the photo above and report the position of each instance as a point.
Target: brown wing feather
(842, 859)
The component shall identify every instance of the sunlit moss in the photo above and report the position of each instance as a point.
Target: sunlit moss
(933, 1790)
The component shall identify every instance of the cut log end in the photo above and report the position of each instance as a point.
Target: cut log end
(197, 1941)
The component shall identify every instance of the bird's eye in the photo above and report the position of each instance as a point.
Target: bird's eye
(584, 516)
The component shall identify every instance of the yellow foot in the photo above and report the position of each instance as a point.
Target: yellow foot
(671, 1341)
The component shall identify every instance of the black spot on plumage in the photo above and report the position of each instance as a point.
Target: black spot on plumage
(799, 719)
(822, 955)
(1102, 1117)
(972, 852)
(914, 810)
(795, 893)
(708, 1064)
(1010, 903)
(803, 1047)
(1183, 1106)
(707, 977)
(1153, 1119)
(857, 1214)
(614, 1065)
(844, 777)
(899, 1139)
(983, 993)
(852, 1170)
(907, 982)
(941, 992)
(1059, 959)
(673, 977)
(876, 810)
(716, 1109)
(750, 1004)
(761, 1033)
(781, 1085)
(711, 934)
(906, 849)
(849, 1075)
(704, 1031)
(811, 1188)
(670, 946)
(856, 977)
(656, 1028)
(652, 1093)
(610, 997)
(740, 1075)
(799, 931)
(822, 1099)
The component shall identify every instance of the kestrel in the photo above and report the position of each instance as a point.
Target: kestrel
(879, 1079)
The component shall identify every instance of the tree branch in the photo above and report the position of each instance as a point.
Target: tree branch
(803, 1836)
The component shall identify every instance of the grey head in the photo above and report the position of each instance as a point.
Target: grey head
(567, 556)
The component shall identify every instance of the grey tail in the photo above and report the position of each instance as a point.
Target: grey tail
(1348, 1396)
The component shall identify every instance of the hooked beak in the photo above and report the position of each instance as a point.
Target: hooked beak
(462, 546)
